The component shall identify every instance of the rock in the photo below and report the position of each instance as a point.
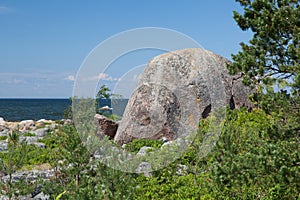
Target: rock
(143, 151)
(164, 139)
(45, 121)
(29, 176)
(175, 91)
(26, 125)
(41, 196)
(14, 126)
(168, 143)
(53, 126)
(28, 139)
(145, 168)
(3, 130)
(37, 144)
(66, 121)
(105, 126)
(3, 145)
(2, 122)
(41, 132)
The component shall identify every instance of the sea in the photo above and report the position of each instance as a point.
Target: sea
(51, 109)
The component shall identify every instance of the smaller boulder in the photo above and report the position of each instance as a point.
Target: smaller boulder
(143, 151)
(144, 167)
(105, 126)
(13, 126)
(41, 132)
(26, 125)
(66, 121)
(3, 130)
(38, 144)
(28, 139)
(44, 121)
(3, 146)
(2, 122)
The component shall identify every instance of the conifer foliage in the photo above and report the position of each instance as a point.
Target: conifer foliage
(273, 54)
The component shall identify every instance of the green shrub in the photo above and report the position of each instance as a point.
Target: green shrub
(28, 134)
(248, 162)
(137, 144)
(3, 137)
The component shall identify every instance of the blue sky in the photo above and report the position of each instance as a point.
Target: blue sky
(44, 43)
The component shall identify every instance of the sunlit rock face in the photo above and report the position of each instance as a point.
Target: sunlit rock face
(175, 91)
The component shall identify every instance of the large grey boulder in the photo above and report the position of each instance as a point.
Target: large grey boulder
(175, 91)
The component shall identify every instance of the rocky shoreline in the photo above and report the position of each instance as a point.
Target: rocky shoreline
(29, 132)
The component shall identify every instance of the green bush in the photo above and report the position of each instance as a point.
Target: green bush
(4, 137)
(28, 134)
(248, 162)
(136, 144)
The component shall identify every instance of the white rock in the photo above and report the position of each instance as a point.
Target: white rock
(67, 121)
(2, 121)
(181, 170)
(53, 126)
(26, 124)
(143, 151)
(3, 145)
(42, 121)
(42, 196)
(167, 143)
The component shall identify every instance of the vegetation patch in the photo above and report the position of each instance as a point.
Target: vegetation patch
(28, 134)
(136, 145)
(3, 137)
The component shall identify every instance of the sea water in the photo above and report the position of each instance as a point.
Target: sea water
(51, 109)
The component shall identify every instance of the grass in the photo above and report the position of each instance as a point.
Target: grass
(28, 134)
(4, 137)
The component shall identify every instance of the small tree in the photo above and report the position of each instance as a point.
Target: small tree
(272, 57)
(273, 54)
(104, 93)
(12, 161)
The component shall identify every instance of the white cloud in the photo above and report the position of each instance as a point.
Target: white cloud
(106, 77)
(10, 78)
(70, 78)
(102, 77)
(49, 76)
(18, 81)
